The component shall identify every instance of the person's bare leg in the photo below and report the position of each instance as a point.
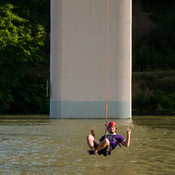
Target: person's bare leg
(90, 141)
(102, 145)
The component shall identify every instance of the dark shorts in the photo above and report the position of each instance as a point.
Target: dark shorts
(105, 151)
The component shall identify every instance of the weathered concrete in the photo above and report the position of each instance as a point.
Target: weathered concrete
(78, 58)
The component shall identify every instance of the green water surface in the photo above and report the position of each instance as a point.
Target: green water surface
(45, 146)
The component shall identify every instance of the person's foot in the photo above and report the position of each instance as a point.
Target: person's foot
(92, 152)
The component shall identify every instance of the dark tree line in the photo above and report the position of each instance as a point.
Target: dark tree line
(155, 51)
(154, 56)
(24, 56)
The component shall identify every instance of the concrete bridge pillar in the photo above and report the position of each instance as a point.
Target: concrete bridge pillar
(78, 58)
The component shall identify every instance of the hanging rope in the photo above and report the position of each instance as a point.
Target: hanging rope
(106, 111)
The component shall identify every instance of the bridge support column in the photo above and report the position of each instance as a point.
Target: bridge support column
(78, 58)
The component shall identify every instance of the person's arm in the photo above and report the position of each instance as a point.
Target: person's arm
(93, 131)
(127, 141)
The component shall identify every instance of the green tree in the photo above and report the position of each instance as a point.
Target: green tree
(155, 51)
(24, 41)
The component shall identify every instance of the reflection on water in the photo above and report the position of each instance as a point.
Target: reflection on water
(59, 147)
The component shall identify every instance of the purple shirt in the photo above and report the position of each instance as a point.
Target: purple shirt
(114, 140)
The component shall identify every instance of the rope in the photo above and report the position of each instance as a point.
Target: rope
(106, 111)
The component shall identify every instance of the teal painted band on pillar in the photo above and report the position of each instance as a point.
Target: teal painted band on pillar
(88, 109)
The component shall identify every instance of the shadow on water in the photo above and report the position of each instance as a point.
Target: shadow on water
(59, 147)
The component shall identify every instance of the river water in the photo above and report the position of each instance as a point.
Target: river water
(54, 147)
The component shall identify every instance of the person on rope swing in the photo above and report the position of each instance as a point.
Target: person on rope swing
(108, 142)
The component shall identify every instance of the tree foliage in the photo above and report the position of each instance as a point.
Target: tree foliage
(155, 51)
(156, 95)
(24, 45)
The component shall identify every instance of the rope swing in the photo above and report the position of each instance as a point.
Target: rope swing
(106, 111)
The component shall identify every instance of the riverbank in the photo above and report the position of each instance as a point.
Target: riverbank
(24, 116)
(153, 93)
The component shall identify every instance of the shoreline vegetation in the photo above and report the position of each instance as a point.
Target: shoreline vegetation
(24, 116)
(153, 93)
(47, 117)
